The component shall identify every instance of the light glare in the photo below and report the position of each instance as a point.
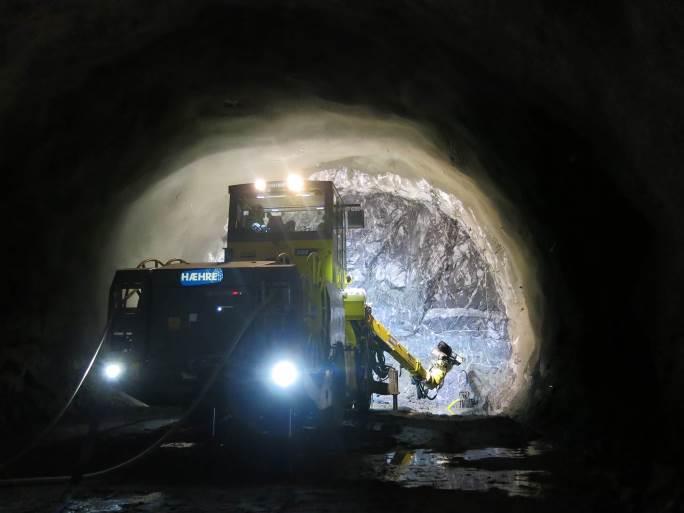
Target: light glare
(284, 374)
(260, 185)
(295, 183)
(113, 371)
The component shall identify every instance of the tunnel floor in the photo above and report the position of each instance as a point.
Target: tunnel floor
(393, 461)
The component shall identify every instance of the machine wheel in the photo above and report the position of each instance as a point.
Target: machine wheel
(333, 416)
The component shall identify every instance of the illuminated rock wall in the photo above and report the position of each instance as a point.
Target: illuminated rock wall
(427, 281)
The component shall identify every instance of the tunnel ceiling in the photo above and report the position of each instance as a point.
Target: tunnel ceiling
(569, 117)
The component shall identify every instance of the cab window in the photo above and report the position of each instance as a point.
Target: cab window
(280, 212)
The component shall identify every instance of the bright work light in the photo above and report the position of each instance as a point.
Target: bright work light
(113, 371)
(295, 183)
(260, 185)
(284, 373)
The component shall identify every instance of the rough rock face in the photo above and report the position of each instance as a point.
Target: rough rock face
(427, 281)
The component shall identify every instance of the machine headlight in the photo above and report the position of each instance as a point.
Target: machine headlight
(113, 371)
(260, 185)
(284, 373)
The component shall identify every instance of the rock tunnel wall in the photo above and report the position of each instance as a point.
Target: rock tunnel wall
(427, 281)
(573, 111)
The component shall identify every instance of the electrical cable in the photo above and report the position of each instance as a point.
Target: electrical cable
(203, 392)
(55, 420)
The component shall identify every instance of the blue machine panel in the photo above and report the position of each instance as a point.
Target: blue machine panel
(196, 277)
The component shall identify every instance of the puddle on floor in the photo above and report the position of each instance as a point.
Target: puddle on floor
(178, 445)
(151, 502)
(535, 448)
(450, 471)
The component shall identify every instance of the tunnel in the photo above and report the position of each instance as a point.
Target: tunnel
(517, 165)
(469, 292)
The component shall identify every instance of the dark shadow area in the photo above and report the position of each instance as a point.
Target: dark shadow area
(387, 462)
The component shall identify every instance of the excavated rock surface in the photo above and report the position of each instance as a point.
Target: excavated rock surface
(427, 281)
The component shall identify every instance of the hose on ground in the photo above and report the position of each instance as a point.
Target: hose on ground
(172, 430)
(55, 420)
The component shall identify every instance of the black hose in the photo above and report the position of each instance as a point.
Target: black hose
(203, 392)
(55, 420)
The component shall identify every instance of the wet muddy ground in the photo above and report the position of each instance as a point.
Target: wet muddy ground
(389, 462)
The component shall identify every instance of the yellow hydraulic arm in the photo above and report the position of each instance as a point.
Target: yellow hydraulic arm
(430, 378)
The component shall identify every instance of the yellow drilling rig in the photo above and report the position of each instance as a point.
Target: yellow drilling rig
(299, 337)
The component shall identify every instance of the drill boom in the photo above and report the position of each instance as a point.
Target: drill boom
(431, 378)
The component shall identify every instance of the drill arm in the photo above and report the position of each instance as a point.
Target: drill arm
(430, 378)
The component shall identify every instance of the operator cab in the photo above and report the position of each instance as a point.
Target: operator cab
(291, 221)
(276, 211)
